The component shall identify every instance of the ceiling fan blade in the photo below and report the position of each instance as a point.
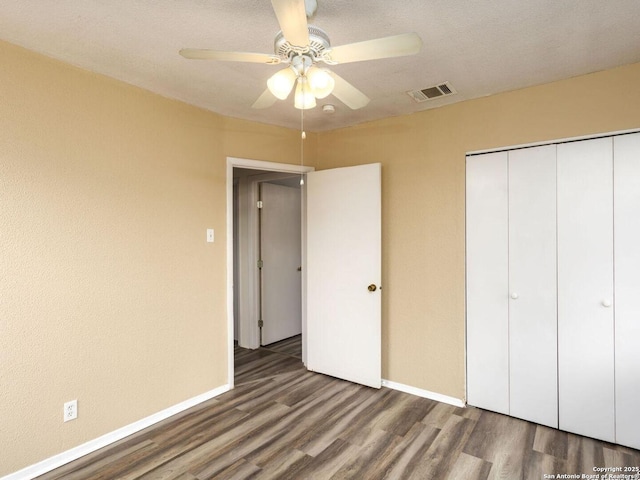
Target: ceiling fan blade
(395, 46)
(292, 18)
(265, 100)
(348, 94)
(204, 54)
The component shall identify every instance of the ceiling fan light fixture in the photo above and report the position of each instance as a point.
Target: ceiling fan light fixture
(304, 98)
(301, 46)
(320, 81)
(282, 82)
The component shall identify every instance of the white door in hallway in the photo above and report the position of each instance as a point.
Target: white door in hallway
(280, 243)
(344, 273)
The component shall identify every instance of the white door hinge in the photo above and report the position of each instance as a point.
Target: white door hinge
(259, 203)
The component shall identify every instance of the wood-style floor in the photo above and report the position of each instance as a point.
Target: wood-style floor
(289, 346)
(282, 422)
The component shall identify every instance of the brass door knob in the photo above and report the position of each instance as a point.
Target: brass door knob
(372, 288)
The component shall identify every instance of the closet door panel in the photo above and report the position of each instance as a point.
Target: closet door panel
(627, 282)
(585, 288)
(487, 282)
(532, 285)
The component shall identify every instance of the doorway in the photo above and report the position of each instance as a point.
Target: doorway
(248, 300)
(267, 256)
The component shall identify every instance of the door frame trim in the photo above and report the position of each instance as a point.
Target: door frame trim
(234, 162)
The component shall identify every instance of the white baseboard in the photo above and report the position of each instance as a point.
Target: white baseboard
(56, 461)
(438, 397)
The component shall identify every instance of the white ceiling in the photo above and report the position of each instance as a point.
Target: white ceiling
(480, 47)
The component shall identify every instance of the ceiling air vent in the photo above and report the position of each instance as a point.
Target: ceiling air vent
(432, 93)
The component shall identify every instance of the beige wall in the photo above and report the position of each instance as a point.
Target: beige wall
(423, 181)
(109, 293)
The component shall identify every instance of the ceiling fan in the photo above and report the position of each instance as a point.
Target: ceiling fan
(302, 47)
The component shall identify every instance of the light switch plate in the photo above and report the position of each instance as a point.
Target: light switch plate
(209, 235)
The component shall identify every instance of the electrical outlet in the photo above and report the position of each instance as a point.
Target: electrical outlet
(70, 410)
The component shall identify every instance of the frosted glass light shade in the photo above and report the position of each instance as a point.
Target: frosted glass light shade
(304, 98)
(320, 81)
(310, 7)
(281, 83)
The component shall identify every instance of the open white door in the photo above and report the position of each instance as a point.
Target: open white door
(280, 254)
(344, 273)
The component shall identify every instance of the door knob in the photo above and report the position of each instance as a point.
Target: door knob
(372, 288)
(514, 295)
(606, 303)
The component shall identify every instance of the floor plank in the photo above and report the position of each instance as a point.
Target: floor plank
(289, 346)
(283, 422)
(467, 467)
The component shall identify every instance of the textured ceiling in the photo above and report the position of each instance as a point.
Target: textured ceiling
(480, 47)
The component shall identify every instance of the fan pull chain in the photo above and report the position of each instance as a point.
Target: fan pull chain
(303, 135)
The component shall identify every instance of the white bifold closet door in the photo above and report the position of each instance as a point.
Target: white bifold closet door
(627, 283)
(511, 283)
(585, 288)
(533, 367)
(488, 282)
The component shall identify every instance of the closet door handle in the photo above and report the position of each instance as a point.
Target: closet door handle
(514, 295)
(606, 303)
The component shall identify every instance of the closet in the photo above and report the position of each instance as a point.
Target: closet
(553, 285)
